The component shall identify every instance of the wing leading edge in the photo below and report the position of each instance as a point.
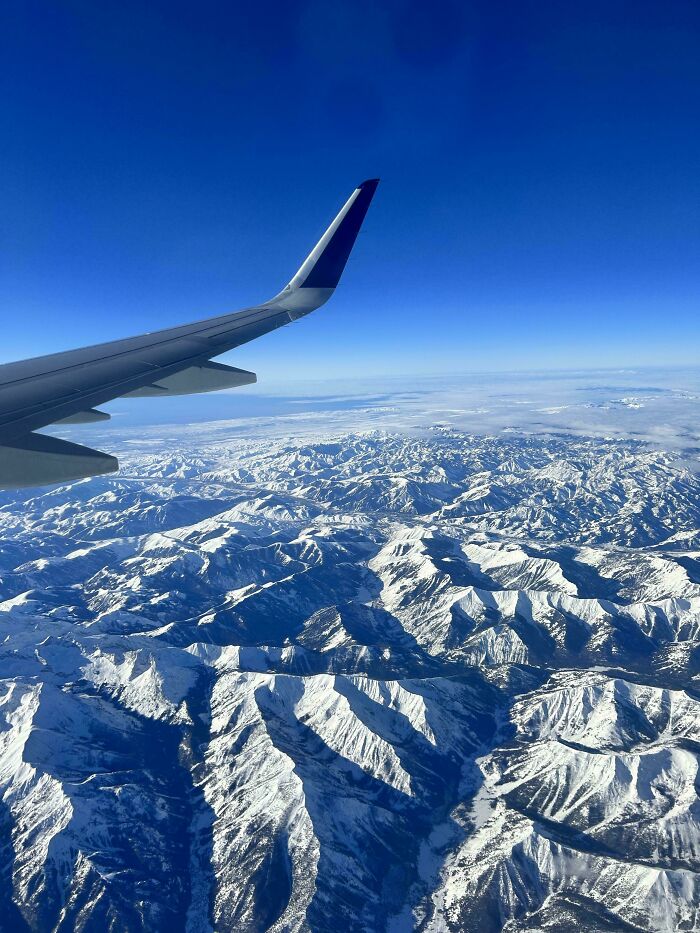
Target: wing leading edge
(66, 387)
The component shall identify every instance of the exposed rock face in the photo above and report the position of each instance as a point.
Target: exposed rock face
(375, 682)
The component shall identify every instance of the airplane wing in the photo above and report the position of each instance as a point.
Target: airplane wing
(64, 388)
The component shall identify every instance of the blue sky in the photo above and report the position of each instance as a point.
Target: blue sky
(539, 164)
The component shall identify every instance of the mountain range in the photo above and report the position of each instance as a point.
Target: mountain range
(378, 680)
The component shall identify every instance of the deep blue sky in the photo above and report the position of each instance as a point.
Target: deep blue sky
(540, 168)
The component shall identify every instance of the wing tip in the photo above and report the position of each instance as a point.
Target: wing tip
(324, 265)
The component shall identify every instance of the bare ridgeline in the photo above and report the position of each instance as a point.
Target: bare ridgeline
(371, 682)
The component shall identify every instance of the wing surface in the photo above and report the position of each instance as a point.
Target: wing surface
(66, 387)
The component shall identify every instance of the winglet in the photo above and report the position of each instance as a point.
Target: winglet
(320, 272)
(326, 261)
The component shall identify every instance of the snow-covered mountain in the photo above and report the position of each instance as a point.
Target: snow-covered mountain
(367, 682)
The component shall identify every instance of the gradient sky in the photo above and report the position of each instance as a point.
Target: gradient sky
(540, 168)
